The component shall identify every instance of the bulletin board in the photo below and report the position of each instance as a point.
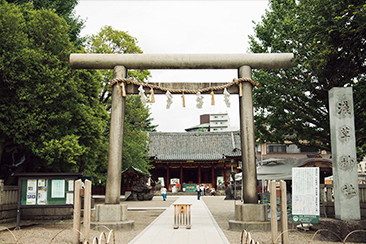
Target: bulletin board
(47, 191)
(41, 190)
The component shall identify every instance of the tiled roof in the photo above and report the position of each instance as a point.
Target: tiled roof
(168, 146)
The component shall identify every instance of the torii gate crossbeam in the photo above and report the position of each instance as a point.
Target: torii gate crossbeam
(182, 61)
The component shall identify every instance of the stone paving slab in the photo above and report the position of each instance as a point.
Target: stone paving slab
(204, 227)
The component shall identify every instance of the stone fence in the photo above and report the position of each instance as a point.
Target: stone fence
(327, 200)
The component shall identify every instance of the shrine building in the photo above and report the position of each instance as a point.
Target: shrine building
(195, 157)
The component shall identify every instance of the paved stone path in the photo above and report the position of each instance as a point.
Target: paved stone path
(204, 227)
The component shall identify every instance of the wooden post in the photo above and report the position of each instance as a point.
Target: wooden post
(284, 226)
(77, 212)
(225, 184)
(167, 177)
(273, 199)
(19, 203)
(213, 176)
(87, 209)
(199, 174)
(181, 176)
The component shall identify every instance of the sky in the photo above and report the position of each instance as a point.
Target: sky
(181, 27)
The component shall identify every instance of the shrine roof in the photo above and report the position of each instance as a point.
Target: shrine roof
(168, 146)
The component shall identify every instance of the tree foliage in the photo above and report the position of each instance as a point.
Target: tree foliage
(328, 40)
(48, 112)
(137, 116)
(54, 117)
(108, 40)
(64, 9)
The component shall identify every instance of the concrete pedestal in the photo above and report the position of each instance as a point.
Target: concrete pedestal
(112, 216)
(250, 217)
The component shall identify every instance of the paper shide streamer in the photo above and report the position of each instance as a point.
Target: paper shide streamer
(142, 95)
(169, 91)
(169, 101)
(199, 100)
(227, 98)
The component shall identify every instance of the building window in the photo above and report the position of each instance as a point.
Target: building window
(277, 148)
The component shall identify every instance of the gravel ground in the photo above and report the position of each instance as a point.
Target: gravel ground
(61, 231)
(223, 211)
(40, 232)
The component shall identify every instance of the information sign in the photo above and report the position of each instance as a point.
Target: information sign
(31, 192)
(42, 192)
(305, 195)
(189, 187)
(37, 192)
(58, 189)
(45, 190)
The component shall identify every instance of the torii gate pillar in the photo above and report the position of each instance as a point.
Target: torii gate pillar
(249, 171)
(113, 214)
(113, 186)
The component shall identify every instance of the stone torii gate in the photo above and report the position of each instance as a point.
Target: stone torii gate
(244, 63)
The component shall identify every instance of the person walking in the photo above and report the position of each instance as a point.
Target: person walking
(202, 190)
(163, 192)
(198, 190)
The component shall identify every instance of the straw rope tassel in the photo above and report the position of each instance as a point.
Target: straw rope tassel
(240, 89)
(118, 89)
(152, 98)
(183, 100)
(212, 98)
(123, 89)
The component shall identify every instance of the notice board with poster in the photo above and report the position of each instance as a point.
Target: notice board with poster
(305, 195)
(37, 190)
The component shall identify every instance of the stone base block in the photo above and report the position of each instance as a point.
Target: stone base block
(111, 216)
(250, 217)
(249, 226)
(120, 225)
(251, 212)
(110, 213)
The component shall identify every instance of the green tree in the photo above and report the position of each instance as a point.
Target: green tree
(328, 40)
(137, 117)
(64, 9)
(48, 112)
(108, 40)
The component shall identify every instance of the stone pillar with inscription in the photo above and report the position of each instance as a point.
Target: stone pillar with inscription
(344, 160)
